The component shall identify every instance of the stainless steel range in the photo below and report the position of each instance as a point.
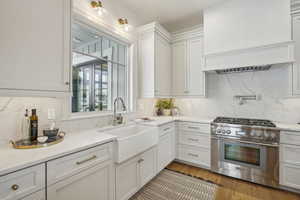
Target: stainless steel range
(247, 149)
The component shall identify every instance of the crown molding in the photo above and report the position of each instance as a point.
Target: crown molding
(295, 6)
(193, 32)
(155, 27)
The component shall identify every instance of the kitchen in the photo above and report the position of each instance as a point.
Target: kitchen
(107, 99)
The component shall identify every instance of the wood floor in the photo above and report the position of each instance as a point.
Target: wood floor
(233, 189)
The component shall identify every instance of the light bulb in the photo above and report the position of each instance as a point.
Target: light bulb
(126, 27)
(100, 11)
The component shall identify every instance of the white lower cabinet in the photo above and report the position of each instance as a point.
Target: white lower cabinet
(36, 196)
(88, 174)
(22, 183)
(93, 184)
(135, 173)
(289, 174)
(193, 144)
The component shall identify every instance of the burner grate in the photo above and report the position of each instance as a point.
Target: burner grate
(244, 121)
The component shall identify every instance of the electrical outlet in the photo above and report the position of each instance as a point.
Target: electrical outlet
(51, 114)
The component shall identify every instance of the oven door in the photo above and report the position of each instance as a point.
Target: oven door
(252, 162)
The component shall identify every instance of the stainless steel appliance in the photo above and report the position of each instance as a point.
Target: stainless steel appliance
(247, 149)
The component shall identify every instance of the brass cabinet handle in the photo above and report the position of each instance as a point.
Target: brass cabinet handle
(86, 160)
(193, 127)
(194, 140)
(67, 83)
(141, 160)
(15, 187)
(194, 155)
(167, 128)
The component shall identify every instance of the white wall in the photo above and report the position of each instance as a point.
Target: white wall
(271, 85)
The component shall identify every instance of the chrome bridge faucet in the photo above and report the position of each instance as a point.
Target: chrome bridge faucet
(118, 118)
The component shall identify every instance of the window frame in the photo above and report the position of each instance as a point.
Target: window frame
(129, 99)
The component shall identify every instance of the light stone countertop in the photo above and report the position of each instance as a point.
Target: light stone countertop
(15, 159)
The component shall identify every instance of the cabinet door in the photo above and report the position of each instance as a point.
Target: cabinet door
(147, 166)
(36, 196)
(163, 76)
(296, 65)
(195, 75)
(127, 179)
(179, 56)
(165, 153)
(35, 45)
(95, 183)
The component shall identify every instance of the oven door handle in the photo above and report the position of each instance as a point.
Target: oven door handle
(246, 142)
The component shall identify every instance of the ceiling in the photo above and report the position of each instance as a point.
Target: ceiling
(172, 14)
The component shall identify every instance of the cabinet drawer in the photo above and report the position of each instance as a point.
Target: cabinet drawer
(290, 154)
(196, 155)
(195, 139)
(290, 138)
(290, 175)
(195, 127)
(166, 129)
(22, 183)
(66, 166)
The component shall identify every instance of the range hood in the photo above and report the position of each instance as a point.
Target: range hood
(241, 33)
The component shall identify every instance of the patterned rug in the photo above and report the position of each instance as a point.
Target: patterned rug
(169, 185)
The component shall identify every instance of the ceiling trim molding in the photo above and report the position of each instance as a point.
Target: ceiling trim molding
(193, 32)
(155, 27)
(295, 6)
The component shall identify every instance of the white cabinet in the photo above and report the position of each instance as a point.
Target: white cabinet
(295, 77)
(36, 196)
(289, 174)
(193, 143)
(154, 54)
(21, 183)
(179, 56)
(88, 174)
(135, 173)
(166, 146)
(93, 184)
(127, 179)
(35, 45)
(188, 77)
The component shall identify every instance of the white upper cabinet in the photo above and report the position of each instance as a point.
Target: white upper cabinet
(154, 61)
(35, 45)
(179, 55)
(296, 64)
(187, 55)
(241, 33)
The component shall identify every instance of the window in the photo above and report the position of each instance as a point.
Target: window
(99, 70)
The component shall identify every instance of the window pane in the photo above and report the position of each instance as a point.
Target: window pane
(97, 81)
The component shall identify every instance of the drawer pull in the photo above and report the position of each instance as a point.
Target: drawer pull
(167, 129)
(140, 160)
(86, 160)
(193, 127)
(194, 155)
(194, 140)
(15, 187)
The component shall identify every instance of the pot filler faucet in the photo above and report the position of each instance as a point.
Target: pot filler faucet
(118, 118)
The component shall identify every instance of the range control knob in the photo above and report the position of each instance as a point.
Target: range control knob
(218, 130)
(223, 131)
(228, 132)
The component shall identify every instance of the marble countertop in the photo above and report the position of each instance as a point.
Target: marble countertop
(14, 159)
(159, 121)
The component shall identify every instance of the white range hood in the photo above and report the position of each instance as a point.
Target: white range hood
(239, 33)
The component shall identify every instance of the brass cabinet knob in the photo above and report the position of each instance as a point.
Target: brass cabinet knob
(15, 187)
(67, 83)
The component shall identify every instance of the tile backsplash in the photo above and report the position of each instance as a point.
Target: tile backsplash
(272, 86)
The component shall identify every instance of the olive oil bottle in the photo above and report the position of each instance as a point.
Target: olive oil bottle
(33, 125)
